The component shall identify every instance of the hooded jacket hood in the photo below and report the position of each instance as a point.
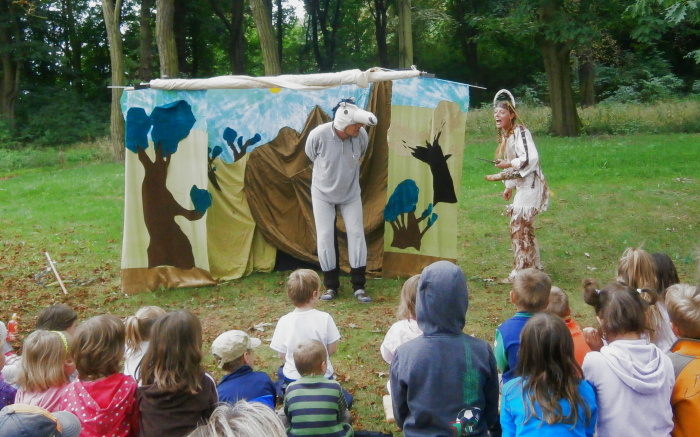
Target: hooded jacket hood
(638, 364)
(442, 300)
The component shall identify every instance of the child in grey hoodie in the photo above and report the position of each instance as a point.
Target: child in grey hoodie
(444, 382)
(632, 378)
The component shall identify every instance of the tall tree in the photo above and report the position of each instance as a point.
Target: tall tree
(464, 13)
(405, 34)
(10, 35)
(165, 36)
(379, 13)
(233, 21)
(279, 28)
(145, 41)
(556, 44)
(263, 22)
(324, 22)
(112, 14)
(72, 45)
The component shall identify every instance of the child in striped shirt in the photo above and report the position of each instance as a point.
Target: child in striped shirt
(314, 397)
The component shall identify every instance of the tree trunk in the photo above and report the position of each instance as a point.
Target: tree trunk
(586, 79)
(165, 36)
(146, 42)
(11, 67)
(112, 15)
(378, 9)
(279, 25)
(405, 34)
(263, 22)
(181, 38)
(466, 35)
(73, 47)
(557, 66)
(324, 23)
(236, 33)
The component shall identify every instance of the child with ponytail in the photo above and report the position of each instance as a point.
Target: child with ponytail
(138, 330)
(632, 377)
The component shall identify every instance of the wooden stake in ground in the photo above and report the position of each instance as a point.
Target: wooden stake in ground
(55, 272)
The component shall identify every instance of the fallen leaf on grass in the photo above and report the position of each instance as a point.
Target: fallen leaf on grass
(352, 325)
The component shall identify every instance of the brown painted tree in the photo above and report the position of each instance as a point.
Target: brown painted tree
(169, 245)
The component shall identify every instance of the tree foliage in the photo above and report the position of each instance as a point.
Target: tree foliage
(611, 51)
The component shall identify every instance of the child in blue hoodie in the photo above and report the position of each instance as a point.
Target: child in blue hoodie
(444, 382)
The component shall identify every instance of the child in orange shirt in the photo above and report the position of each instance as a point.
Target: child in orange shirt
(683, 303)
(559, 305)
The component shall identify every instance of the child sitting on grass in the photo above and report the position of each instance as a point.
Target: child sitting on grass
(175, 394)
(444, 376)
(315, 405)
(633, 378)
(103, 398)
(138, 334)
(406, 328)
(304, 323)
(44, 369)
(530, 294)
(549, 396)
(233, 352)
(7, 392)
(559, 306)
(683, 303)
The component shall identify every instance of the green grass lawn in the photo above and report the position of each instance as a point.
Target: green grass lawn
(609, 193)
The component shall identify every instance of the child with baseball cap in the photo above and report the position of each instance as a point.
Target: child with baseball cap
(234, 352)
(33, 421)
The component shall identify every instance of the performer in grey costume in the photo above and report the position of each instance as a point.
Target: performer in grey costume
(336, 148)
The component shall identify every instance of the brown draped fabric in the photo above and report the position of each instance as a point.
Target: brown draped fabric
(278, 187)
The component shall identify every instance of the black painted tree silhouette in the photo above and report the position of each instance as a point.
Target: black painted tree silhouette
(432, 154)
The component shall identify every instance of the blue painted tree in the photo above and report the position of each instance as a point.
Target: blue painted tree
(238, 151)
(168, 125)
(400, 212)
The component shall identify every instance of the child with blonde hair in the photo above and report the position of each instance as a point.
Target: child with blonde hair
(138, 329)
(530, 295)
(406, 328)
(633, 378)
(559, 306)
(44, 370)
(314, 404)
(103, 399)
(305, 322)
(683, 302)
(637, 269)
(175, 394)
(549, 397)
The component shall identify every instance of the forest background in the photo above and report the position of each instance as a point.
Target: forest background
(624, 69)
(57, 58)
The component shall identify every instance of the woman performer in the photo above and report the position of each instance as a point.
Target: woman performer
(519, 162)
